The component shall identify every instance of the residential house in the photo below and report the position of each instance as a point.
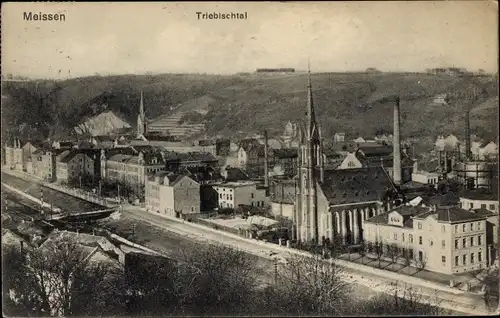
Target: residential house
(479, 199)
(446, 238)
(131, 164)
(76, 163)
(234, 194)
(44, 163)
(14, 155)
(424, 177)
(172, 194)
(339, 137)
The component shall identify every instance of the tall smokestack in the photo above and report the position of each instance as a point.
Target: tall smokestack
(396, 145)
(467, 136)
(266, 173)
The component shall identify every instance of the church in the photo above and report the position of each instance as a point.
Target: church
(329, 204)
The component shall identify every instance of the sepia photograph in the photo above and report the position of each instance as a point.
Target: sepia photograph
(294, 158)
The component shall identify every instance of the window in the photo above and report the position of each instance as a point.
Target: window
(443, 228)
(419, 225)
(230, 197)
(471, 205)
(402, 237)
(472, 226)
(479, 256)
(464, 242)
(420, 255)
(192, 209)
(443, 243)
(492, 207)
(220, 195)
(479, 240)
(464, 227)
(252, 195)
(443, 259)
(472, 258)
(411, 238)
(472, 241)
(420, 240)
(456, 228)
(478, 225)
(483, 206)
(395, 236)
(456, 261)
(431, 242)
(430, 227)
(456, 245)
(464, 259)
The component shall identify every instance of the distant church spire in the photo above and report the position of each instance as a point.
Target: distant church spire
(141, 118)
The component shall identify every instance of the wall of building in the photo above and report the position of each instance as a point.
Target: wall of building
(463, 231)
(187, 196)
(490, 205)
(425, 178)
(159, 198)
(283, 210)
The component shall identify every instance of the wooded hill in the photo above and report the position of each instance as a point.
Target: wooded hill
(241, 104)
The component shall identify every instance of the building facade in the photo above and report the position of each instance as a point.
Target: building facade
(172, 194)
(445, 238)
(234, 194)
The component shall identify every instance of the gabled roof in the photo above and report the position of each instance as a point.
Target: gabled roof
(479, 194)
(356, 185)
(173, 178)
(236, 174)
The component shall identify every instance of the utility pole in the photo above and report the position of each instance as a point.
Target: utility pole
(276, 271)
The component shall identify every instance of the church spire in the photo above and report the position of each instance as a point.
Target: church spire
(141, 106)
(311, 118)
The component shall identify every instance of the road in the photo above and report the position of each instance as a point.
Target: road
(363, 285)
(170, 236)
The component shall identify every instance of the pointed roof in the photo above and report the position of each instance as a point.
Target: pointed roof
(141, 106)
(312, 129)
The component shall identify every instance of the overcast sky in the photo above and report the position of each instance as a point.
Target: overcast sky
(118, 38)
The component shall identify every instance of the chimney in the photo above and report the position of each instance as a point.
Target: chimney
(396, 145)
(266, 172)
(467, 136)
(445, 161)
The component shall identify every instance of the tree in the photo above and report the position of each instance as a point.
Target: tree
(405, 301)
(363, 248)
(407, 257)
(58, 279)
(308, 286)
(421, 263)
(378, 248)
(392, 252)
(216, 280)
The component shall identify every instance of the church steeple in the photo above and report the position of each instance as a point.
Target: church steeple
(141, 118)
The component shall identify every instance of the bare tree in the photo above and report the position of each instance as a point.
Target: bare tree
(309, 285)
(363, 248)
(58, 279)
(421, 263)
(405, 301)
(378, 249)
(407, 257)
(392, 252)
(216, 280)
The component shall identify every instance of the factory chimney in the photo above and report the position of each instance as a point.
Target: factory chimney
(396, 145)
(266, 172)
(467, 136)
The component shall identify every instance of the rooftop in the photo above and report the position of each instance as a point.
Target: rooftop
(236, 184)
(479, 194)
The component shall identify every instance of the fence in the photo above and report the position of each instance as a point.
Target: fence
(87, 196)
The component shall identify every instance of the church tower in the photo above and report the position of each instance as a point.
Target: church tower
(310, 174)
(141, 119)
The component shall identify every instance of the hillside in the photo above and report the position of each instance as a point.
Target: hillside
(242, 104)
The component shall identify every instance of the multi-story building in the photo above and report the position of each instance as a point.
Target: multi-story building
(445, 238)
(234, 194)
(479, 199)
(172, 194)
(44, 163)
(75, 163)
(14, 155)
(132, 164)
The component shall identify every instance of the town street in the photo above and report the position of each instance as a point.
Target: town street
(363, 284)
